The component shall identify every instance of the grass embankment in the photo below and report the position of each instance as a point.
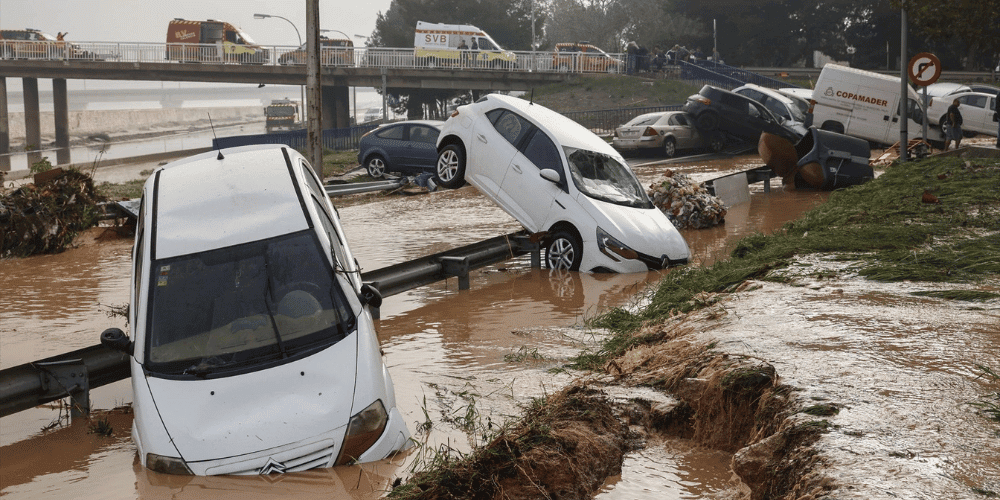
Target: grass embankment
(888, 226)
(888, 230)
(598, 92)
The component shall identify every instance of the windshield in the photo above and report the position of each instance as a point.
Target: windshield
(603, 177)
(643, 120)
(247, 40)
(240, 307)
(799, 110)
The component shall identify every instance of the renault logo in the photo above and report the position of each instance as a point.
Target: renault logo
(272, 467)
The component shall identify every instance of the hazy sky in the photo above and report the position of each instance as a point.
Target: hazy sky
(146, 20)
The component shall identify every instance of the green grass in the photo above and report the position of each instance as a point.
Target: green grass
(124, 190)
(883, 224)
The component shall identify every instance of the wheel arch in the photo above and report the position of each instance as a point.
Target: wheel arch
(449, 140)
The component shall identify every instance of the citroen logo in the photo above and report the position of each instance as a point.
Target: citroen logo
(272, 467)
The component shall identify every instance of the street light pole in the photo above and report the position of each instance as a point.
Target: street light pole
(302, 89)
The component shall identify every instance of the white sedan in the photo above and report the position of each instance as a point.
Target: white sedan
(978, 111)
(253, 349)
(561, 182)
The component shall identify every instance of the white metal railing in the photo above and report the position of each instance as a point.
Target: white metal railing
(367, 57)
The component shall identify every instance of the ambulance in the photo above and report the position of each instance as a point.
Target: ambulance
(441, 45)
(866, 105)
(211, 41)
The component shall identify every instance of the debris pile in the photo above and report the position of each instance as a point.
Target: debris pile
(45, 217)
(686, 203)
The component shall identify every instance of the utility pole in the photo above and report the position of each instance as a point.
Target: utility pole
(314, 87)
(904, 94)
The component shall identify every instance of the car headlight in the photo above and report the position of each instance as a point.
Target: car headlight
(365, 428)
(167, 465)
(610, 245)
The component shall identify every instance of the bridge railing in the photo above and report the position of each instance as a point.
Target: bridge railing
(377, 57)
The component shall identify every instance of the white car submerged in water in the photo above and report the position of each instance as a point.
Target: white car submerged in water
(561, 182)
(253, 349)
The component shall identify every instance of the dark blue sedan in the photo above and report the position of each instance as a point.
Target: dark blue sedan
(403, 147)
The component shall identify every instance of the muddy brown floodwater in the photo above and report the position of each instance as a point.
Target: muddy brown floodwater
(461, 360)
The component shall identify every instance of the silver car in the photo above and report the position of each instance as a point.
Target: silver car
(664, 131)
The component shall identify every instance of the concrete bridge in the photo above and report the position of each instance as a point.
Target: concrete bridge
(381, 68)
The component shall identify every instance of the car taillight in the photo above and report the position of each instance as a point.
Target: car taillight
(704, 100)
(454, 113)
(649, 132)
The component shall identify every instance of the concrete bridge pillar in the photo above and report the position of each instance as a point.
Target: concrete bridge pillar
(60, 101)
(336, 107)
(32, 121)
(4, 127)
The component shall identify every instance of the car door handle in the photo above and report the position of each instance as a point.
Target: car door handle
(482, 138)
(516, 167)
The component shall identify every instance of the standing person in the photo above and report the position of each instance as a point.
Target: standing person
(464, 49)
(996, 118)
(631, 51)
(954, 120)
(474, 52)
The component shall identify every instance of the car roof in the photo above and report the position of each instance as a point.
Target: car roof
(945, 88)
(766, 90)
(430, 123)
(566, 131)
(203, 203)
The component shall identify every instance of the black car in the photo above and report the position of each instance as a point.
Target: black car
(405, 147)
(719, 109)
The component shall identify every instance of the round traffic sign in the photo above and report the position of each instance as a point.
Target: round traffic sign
(924, 69)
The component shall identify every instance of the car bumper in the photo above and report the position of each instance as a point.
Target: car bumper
(640, 143)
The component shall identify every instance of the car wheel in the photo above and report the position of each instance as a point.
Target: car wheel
(451, 167)
(669, 147)
(707, 121)
(944, 125)
(564, 251)
(376, 167)
(716, 142)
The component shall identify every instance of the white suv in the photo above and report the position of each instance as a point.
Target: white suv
(252, 349)
(561, 182)
(978, 112)
(789, 112)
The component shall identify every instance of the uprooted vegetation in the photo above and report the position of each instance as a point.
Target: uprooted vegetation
(887, 229)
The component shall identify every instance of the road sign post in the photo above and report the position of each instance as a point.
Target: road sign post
(924, 69)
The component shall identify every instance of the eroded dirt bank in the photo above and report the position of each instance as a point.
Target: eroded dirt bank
(840, 358)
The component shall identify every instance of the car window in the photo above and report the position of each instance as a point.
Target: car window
(642, 120)
(751, 93)
(732, 101)
(776, 107)
(391, 133)
(993, 104)
(978, 101)
(512, 127)
(421, 133)
(541, 151)
(603, 177)
(753, 110)
(680, 120)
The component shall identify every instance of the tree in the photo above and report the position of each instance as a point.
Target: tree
(973, 24)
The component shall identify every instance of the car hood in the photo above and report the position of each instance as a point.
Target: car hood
(646, 231)
(237, 415)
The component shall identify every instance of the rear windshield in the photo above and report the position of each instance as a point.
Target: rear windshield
(643, 120)
(240, 308)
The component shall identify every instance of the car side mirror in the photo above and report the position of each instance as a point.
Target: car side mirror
(549, 175)
(115, 338)
(370, 296)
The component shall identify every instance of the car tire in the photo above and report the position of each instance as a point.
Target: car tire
(716, 142)
(564, 250)
(707, 121)
(375, 166)
(669, 147)
(450, 169)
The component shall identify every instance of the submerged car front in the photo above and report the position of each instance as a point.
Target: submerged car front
(253, 353)
(629, 233)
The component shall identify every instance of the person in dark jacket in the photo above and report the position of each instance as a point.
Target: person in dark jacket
(954, 128)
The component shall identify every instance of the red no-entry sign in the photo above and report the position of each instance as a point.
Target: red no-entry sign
(924, 69)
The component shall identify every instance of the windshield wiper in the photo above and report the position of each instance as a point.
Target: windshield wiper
(270, 313)
(205, 367)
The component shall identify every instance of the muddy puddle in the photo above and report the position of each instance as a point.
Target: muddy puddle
(462, 361)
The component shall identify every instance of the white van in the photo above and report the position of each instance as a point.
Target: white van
(865, 104)
(437, 44)
(253, 349)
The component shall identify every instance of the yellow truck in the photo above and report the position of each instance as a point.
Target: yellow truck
(459, 45)
(33, 44)
(211, 41)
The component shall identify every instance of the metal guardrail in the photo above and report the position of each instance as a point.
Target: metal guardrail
(74, 373)
(277, 55)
